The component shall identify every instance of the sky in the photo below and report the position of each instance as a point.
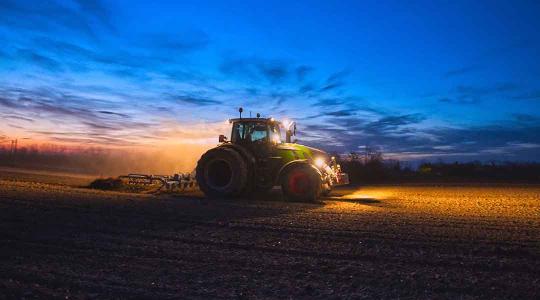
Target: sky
(416, 80)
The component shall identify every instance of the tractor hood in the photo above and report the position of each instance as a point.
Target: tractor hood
(316, 152)
(307, 152)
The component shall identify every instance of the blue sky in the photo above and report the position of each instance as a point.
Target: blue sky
(416, 79)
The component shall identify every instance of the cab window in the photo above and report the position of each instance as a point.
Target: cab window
(256, 132)
(249, 132)
(237, 132)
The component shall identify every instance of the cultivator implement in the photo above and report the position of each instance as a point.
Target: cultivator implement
(175, 183)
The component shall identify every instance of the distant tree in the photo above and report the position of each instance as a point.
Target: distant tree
(353, 156)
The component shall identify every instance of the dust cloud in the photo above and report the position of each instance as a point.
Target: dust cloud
(174, 148)
(165, 160)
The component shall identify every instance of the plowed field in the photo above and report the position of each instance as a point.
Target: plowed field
(372, 242)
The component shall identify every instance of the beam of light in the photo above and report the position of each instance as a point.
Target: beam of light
(361, 194)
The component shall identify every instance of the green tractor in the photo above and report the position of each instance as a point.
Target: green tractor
(256, 159)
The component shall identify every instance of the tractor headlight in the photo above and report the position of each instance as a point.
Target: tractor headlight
(319, 162)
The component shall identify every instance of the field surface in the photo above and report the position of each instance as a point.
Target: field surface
(58, 240)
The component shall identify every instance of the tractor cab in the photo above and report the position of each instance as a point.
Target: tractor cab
(255, 130)
(259, 135)
(259, 131)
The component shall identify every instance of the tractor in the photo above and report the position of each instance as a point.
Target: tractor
(256, 159)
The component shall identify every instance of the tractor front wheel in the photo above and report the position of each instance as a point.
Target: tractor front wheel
(301, 183)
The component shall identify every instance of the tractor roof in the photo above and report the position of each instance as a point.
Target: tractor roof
(265, 120)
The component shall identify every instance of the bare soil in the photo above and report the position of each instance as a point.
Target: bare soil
(61, 241)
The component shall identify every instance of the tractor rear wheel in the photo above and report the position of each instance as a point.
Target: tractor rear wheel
(222, 172)
(301, 183)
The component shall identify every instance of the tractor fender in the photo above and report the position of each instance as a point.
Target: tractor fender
(250, 159)
(292, 164)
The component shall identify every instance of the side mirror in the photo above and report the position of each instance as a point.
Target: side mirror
(222, 138)
(288, 135)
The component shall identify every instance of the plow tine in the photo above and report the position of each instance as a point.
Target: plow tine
(177, 182)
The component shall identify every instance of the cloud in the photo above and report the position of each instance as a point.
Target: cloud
(69, 49)
(130, 58)
(344, 131)
(334, 81)
(470, 90)
(119, 62)
(195, 100)
(471, 94)
(16, 117)
(254, 68)
(478, 139)
(79, 116)
(329, 102)
(54, 16)
(340, 113)
(461, 71)
(113, 113)
(39, 60)
(526, 118)
(502, 141)
(96, 9)
(187, 41)
(15, 126)
(341, 129)
(9, 103)
(391, 123)
(400, 137)
(302, 72)
(274, 71)
(100, 126)
(55, 108)
(306, 88)
(338, 76)
(330, 86)
(534, 95)
(351, 124)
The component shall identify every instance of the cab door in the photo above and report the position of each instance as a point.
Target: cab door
(254, 136)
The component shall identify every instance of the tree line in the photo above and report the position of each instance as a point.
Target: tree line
(373, 168)
(366, 167)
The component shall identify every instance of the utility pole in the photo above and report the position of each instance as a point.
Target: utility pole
(13, 148)
(366, 154)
